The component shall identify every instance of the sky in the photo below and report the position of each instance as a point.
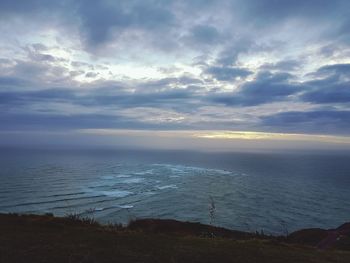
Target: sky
(213, 74)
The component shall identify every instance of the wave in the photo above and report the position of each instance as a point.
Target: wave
(170, 186)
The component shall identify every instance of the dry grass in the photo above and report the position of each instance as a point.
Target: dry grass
(49, 239)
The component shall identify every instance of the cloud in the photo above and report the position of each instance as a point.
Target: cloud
(99, 23)
(229, 55)
(204, 35)
(266, 88)
(180, 94)
(156, 64)
(46, 121)
(283, 65)
(317, 121)
(343, 31)
(333, 93)
(102, 23)
(333, 88)
(29, 6)
(7, 82)
(266, 12)
(335, 69)
(91, 75)
(227, 73)
(106, 21)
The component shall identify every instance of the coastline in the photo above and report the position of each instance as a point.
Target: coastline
(45, 238)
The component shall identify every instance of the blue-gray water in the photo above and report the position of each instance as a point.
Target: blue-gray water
(251, 191)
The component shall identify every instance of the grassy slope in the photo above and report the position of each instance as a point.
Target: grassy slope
(48, 239)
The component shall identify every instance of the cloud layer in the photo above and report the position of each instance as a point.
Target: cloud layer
(257, 65)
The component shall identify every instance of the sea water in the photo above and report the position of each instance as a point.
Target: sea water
(273, 192)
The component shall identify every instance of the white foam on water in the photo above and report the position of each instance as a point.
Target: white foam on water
(100, 183)
(126, 206)
(133, 180)
(149, 193)
(123, 175)
(170, 186)
(183, 169)
(144, 172)
(108, 177)
(223, 172)
(176, 170)
(115, 193)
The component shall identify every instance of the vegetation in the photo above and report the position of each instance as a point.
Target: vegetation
(32, 238)
(78, 218)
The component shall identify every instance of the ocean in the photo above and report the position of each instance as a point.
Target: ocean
(272, 192)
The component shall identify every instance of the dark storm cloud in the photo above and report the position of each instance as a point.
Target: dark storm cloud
(266, 88)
